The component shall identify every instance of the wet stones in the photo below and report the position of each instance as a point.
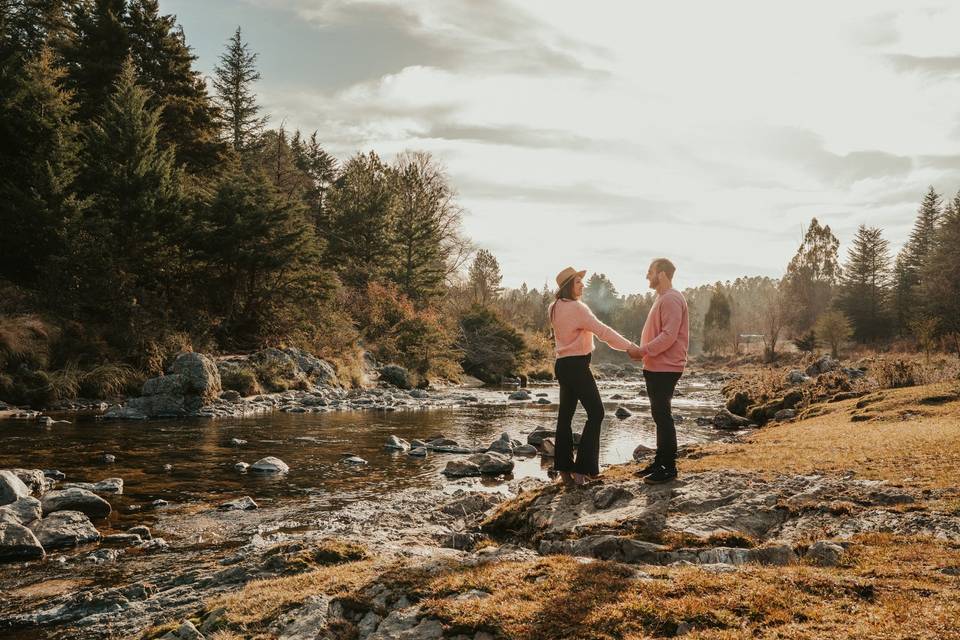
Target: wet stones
(35, 480)
(269, 465)
(246, 503)
(109, 486)
(75, 499)
(23, 511)
(12, 488)
(486, 464)
(242, 467)
(522, 394)
(17, 542)
(537, 437)
(623, 413)
(729, 421)
(395, 443)
(64, 529)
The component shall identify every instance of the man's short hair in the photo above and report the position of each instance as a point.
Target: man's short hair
(662, 264)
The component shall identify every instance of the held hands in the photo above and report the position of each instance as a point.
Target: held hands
(635, 352)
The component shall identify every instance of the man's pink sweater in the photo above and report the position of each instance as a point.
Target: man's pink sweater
(666, 333)
(574, 326)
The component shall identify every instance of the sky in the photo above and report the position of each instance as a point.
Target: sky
(601, 135)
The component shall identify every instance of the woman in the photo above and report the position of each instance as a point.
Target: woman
(574, 327)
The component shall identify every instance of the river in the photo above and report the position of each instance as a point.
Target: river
(202, 454)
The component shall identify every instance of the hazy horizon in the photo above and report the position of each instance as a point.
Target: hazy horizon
(602, 136)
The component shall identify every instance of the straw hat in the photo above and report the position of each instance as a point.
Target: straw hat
(567, 274)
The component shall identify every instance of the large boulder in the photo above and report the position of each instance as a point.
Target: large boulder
(35, 480)
(12, 488)
(320, 371)
(75, 499)
(170, 385)
(17, 542)
(64, 529)
(192, 382)
(199, 376)
(396, 375)
(23, 511)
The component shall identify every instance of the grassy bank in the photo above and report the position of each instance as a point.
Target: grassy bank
(886, 586)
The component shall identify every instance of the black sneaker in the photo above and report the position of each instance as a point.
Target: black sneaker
(647, 470)
(661, 475)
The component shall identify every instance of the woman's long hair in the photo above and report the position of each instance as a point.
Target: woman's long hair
(563, 293)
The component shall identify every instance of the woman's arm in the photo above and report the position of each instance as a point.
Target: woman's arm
(607, 334)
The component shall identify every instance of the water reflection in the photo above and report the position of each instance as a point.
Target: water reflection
(203, 457)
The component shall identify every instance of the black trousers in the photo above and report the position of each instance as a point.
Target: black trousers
(577, 385)
(660, 387)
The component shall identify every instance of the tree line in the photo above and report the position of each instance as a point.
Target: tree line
(144, 212)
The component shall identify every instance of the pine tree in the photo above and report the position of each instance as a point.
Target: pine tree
(125, 259)
(261, 260)
(866, 285)
(321, 169)
(233, 81)
(425, 225)
(940, 281)
(97, 54)
(716, 322)
(485, 278)
(359, 238)
(37, 168)
(601, 296)
(911, 259)
(812, 275)
(164, 62)
(29, 26)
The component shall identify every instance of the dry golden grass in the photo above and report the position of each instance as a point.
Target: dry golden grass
(260, 601)
(910, 436)
(892, 589)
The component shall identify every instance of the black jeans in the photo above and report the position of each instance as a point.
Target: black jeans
(660, 387)
(577, 385)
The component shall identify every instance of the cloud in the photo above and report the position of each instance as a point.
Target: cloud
(926, 65)
(492, 36)
(807, 151)
(600, 207)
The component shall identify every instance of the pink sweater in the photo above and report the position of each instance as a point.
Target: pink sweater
(666, 333)
(574, 326)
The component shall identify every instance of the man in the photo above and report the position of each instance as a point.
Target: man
(663, 349)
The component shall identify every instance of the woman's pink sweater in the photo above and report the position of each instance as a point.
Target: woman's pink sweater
(574, 326)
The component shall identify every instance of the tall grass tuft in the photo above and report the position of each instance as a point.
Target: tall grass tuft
(111, 380)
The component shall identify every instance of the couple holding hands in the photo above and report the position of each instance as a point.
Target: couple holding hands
(662, 349)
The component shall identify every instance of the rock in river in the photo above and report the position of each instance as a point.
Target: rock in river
(623, 412)
(110, 486)
(18, 543)
(64, 529)
(11, 487)
(75, 499)
(487, 464)
(396, 444)
(269, 464)
(23, 511)
(246, 503)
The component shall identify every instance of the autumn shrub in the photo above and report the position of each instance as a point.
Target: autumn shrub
(491, 348)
